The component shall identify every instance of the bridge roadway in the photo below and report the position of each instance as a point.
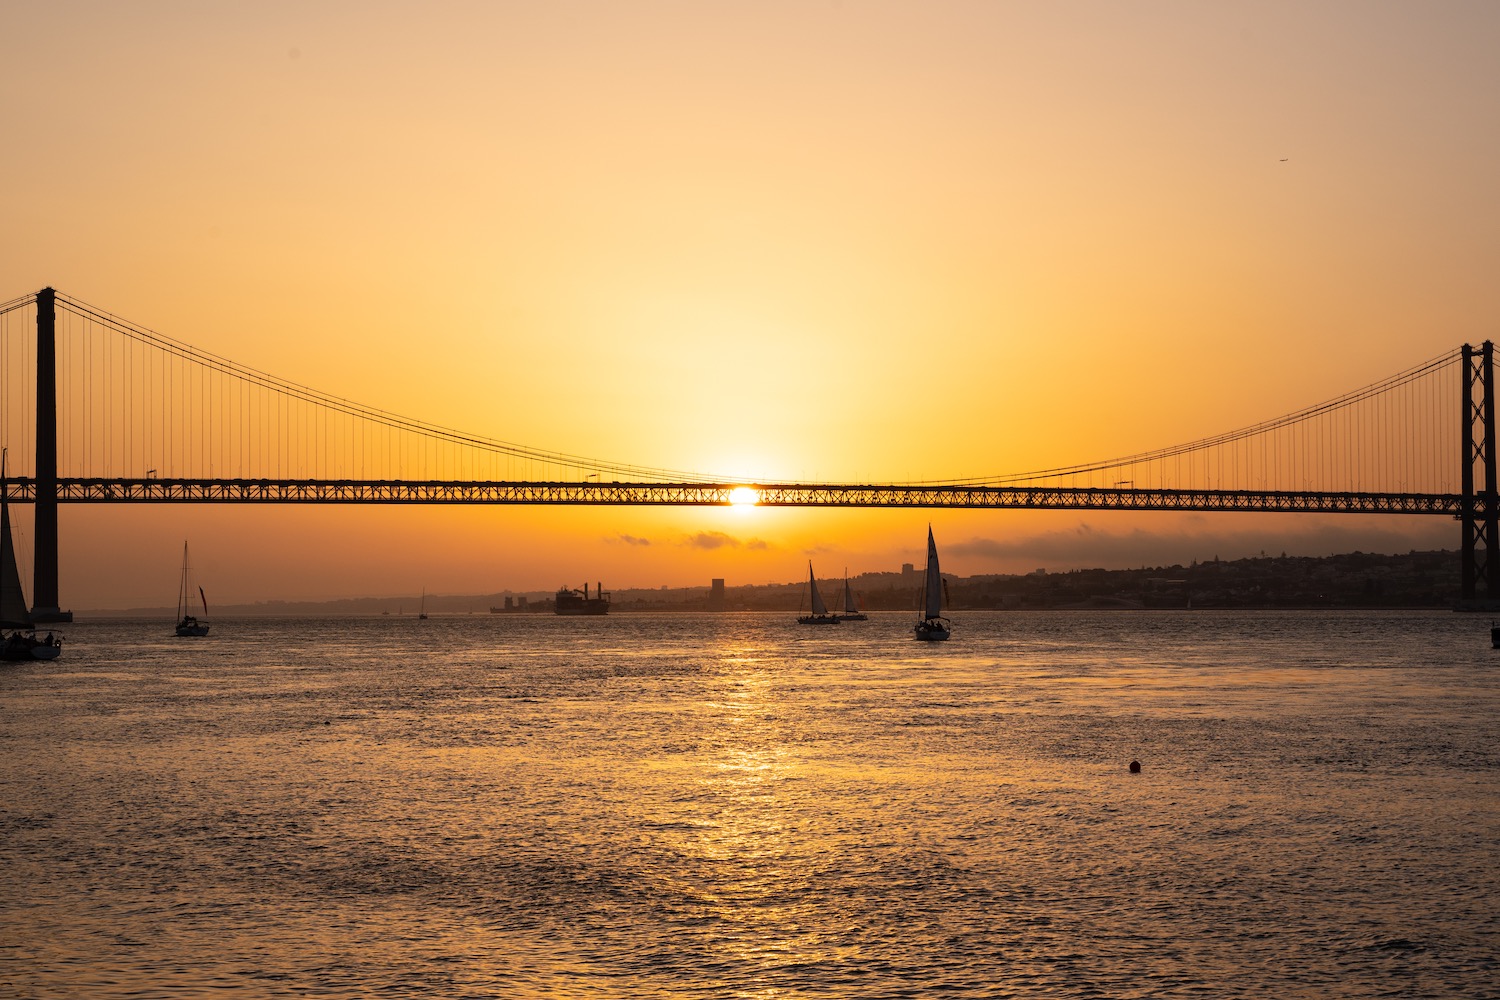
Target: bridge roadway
(317, 491)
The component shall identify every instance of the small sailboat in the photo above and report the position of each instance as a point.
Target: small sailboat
(187, 624)
(820, 615)
(18, 638)
(851, 612)
(422, 612)
(933, 626)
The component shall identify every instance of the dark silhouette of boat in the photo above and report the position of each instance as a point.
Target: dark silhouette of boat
(820, 614)
(578, 602)
(187, 625)
(933, 625)
(18, 638)
(851, 612)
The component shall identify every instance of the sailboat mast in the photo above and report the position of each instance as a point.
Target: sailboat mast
(182, 584)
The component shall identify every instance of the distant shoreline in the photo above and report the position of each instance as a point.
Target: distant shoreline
(1356, 580)
(100, 616)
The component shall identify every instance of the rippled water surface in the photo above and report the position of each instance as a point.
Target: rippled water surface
(733, 806)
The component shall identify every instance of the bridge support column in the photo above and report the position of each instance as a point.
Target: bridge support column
(44, 568)
(1480, 519)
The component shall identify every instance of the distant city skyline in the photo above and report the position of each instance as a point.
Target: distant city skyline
(1358, 579)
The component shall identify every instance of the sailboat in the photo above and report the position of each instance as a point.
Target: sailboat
(932, 627)
(820, 615)
(851, 612)
(422, 614)
(18, 640)
(186, 623)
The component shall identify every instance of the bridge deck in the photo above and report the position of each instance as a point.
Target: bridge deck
(154, 490)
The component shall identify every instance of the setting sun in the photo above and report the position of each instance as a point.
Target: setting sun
(744, 496)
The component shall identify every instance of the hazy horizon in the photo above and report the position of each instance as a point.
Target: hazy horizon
(792, 579)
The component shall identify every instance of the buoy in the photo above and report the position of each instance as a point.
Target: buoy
(1135, 767)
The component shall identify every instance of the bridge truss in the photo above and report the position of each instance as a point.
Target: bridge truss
(307, 491)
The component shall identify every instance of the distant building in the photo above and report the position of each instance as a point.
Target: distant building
(716, 595)
(908, 570)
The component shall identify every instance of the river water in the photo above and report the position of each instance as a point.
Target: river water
(736, 806)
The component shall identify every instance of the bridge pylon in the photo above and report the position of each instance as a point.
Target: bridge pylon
(44, 566)
(1481, 533)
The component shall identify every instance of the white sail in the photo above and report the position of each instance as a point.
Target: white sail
(13, 611)
(933, 607)
(818, 607)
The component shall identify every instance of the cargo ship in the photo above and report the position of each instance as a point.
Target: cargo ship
(578, 602)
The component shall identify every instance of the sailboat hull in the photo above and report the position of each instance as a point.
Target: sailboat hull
(932, 631)
(15, 654)
(191, 626)
(19, 646)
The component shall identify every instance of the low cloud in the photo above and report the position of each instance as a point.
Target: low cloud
(711, 540)
(631, 540)
(815, 551)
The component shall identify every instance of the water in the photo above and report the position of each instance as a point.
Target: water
(733, 806)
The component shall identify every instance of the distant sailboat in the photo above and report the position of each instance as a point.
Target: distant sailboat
(932, 628)
(186, 623)
(820, 615)
(422, 613)
(851, 612)
(18, 639)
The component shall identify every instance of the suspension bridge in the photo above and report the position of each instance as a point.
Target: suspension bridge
(118, 413)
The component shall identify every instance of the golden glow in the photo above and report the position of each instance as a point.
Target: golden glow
(894, 258)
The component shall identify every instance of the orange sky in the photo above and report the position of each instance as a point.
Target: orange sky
(857, 241)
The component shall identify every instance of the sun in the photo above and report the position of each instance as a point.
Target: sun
(744, 496)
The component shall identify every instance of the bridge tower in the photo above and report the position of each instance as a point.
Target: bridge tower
(1481, 526)
(44, 569)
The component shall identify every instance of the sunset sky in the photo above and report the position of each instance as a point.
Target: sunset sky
(841, 241)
